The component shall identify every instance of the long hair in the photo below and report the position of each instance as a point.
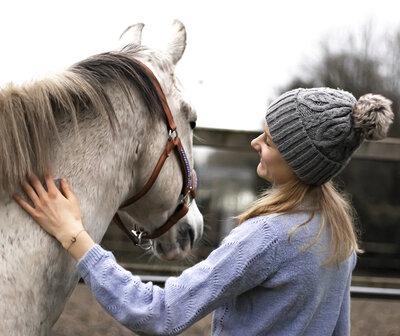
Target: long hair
(337, 213)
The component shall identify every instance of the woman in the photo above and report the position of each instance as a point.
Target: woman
(286, 269)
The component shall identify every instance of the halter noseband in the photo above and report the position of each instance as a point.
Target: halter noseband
(188, 192)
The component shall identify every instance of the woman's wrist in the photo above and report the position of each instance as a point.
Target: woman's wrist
(80, 245)
(67, 232)
(66, 236)
(75, 240)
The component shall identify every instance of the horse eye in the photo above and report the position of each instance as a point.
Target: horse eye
(192, 124)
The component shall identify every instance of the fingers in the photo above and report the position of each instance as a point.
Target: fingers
(51, 186)
(67, 190)
(24, 205)
(37, 192)
(40, 191)
(30, 192)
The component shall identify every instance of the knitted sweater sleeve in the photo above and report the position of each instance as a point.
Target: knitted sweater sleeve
(242, 262)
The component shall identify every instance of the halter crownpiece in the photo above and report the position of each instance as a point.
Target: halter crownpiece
(188, 192)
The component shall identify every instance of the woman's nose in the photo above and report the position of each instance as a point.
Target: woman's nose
(255, 143)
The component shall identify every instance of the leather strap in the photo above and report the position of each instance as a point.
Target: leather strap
(180, 211)
(117, 220)
(161, 95)
(153, 177)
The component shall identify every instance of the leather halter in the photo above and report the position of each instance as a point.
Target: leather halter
(188, 192)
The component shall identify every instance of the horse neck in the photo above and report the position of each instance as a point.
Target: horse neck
(100, 167)
(95, 161)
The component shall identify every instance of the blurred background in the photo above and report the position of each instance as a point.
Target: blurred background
(240, 56)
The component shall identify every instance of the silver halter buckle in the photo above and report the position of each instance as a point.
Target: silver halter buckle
(172, 134)
(143, 244)
(187, 198)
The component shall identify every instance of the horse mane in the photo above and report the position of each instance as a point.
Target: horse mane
(29, 113)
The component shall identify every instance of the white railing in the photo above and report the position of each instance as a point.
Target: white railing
(367, 292)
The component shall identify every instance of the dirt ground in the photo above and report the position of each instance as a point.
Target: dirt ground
(83, 316)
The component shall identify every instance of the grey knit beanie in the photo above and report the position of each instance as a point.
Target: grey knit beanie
(317, 130)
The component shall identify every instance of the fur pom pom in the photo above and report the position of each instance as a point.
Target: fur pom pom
(372, 115)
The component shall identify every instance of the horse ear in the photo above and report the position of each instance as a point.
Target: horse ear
(132, 34)
(177, 43)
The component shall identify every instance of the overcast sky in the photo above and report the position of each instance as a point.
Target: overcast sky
(238, 52)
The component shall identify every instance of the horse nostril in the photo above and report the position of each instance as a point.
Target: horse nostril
(185, 237)
(159, 248)
(191, 237)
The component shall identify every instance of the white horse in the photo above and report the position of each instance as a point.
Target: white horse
(100, 125)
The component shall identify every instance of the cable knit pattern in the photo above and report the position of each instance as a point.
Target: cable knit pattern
(257, 282)
(313, 130)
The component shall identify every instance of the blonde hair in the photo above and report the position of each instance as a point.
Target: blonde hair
(337, 213)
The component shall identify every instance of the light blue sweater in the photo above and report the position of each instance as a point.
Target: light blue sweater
(257, 282)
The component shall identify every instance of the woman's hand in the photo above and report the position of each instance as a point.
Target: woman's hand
(58, 214)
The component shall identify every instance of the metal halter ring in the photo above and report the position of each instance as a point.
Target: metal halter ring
(143, 244)
(172, 134)
(187, 199)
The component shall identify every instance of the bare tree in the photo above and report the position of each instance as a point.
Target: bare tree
(361, 64)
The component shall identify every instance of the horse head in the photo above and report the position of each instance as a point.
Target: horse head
(164, 198)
